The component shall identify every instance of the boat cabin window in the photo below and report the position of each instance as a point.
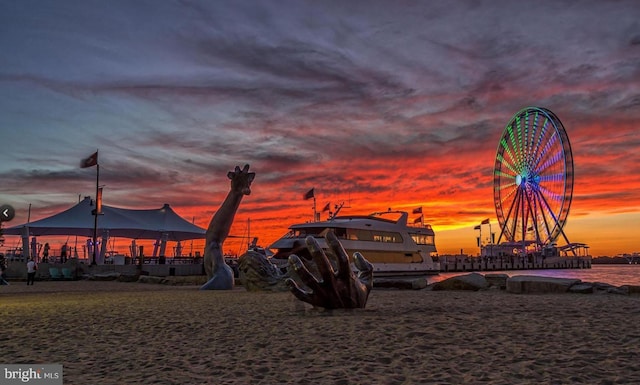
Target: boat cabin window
(385, 236)
(359, 235)
(374, 236)
(341, 233)
(423, 239)
(303, 233)
(352, 234)
(320, 232)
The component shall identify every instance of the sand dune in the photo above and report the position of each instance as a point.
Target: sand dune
(129, 333)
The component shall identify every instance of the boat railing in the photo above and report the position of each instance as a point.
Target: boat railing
(420, 226)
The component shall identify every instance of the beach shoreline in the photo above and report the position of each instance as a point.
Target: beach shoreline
(125, 333)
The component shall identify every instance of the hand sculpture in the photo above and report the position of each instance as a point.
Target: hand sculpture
(333, 289)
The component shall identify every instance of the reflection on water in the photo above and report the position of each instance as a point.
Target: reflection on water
(616, 275)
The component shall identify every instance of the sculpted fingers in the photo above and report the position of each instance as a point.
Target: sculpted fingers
(302, 273)
(365, 269)
(300, 293)
(320, 258)
(344, 269)
(362, 264)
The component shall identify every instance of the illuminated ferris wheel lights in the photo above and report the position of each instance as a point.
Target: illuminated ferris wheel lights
(533, 177)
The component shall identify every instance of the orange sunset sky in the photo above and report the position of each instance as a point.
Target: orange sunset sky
(373, 103)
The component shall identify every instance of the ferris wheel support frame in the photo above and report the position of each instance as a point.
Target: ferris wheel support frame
(521, 147)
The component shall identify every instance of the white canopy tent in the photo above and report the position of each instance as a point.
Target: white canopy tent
(158, 224)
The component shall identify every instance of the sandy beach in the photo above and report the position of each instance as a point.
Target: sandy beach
(132, 333)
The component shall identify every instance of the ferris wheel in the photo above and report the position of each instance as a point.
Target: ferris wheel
(533, 178)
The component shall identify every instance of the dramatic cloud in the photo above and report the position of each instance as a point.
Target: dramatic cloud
(377, 104)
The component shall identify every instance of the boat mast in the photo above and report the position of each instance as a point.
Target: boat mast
(334, 214)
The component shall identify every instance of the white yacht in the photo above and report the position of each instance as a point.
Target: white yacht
(394, 247)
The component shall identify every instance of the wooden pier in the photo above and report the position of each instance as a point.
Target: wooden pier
(456, 263)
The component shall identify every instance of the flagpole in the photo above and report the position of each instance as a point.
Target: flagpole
(311, 194)
(95, 214)
(315, 216)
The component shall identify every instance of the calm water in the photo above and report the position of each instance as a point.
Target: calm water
(616, 275)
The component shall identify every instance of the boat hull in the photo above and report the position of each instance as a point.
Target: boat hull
(388, 260)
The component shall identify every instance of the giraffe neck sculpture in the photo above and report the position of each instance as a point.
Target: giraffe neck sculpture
(219, 274)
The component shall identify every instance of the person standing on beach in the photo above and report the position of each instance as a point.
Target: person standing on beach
(31, 271)
(45, 253)
(63, 253)
(3, 281)
(3, 267)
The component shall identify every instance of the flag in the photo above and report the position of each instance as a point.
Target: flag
(327, 207)
(309, 194)
(90, 161)
(477, 227)
(418, 219)
(418, 210)
(485, 222)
